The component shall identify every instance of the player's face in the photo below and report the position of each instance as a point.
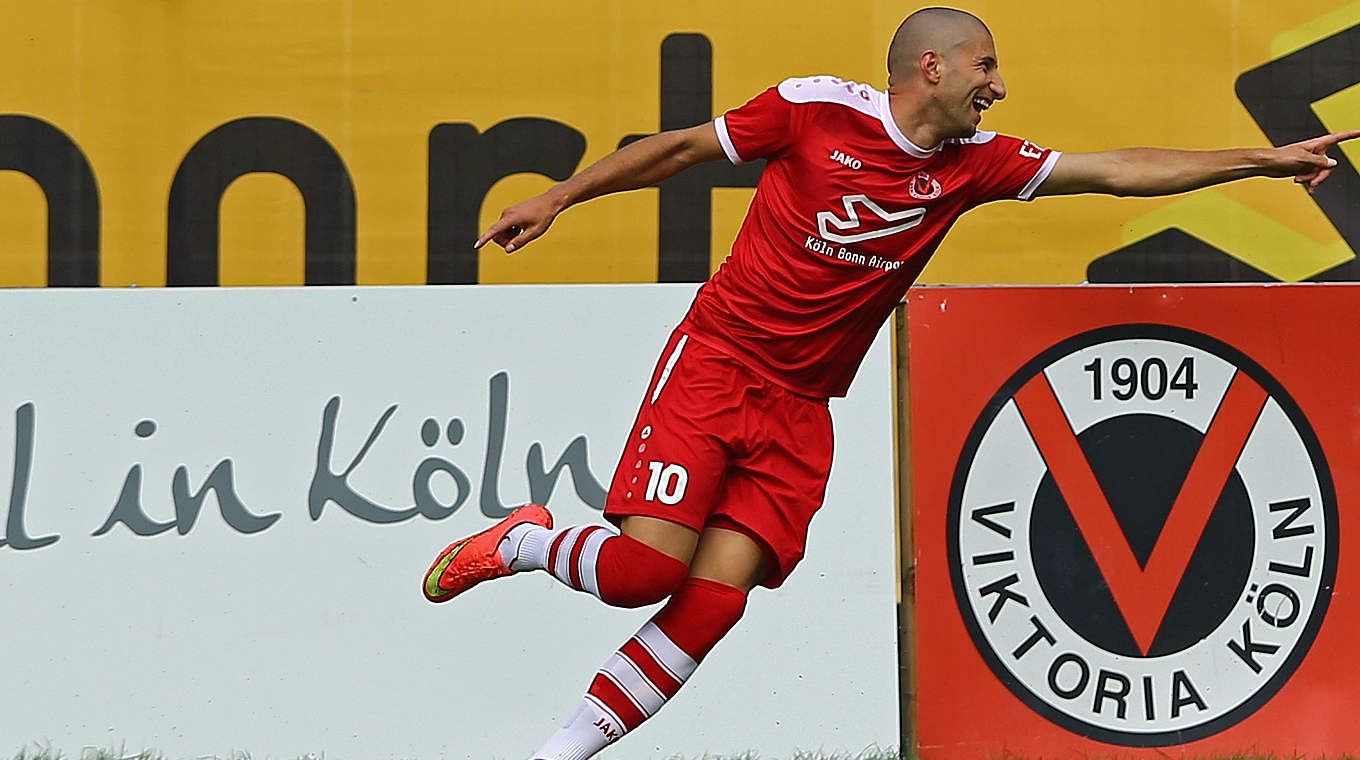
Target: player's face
(972, 83)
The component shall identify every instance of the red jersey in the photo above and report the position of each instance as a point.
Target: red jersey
(846, 215)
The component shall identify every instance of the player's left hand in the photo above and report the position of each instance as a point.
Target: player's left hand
(1308, 162)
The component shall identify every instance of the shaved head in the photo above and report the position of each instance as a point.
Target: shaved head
(938, 29)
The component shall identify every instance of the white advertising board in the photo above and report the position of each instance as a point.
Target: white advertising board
(222, 502)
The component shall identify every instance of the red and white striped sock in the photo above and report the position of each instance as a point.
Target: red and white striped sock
(649, 669)
(618, 569)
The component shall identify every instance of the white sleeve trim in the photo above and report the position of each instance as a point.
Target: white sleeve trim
(1027, 192)
(725, 139)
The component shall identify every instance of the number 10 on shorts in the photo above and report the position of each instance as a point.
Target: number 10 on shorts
(667, 483)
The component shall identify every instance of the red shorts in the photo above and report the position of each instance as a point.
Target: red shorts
(716, 445)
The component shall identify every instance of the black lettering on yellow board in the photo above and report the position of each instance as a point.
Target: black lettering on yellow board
(48, 156)
(1279, 96)
(685, 203)
(464, 164)
(260, 144)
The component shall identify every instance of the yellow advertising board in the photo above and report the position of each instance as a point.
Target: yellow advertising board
(332, 141)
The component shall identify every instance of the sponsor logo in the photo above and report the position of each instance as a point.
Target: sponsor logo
(1030, 150)
(432, 587)
(1142, 535)
(438, 486)
(610, 734)
(924, 187)
(850, 161)
(897, 221)
(841, 253)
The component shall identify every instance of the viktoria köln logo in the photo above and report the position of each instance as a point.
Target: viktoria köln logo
(1142, 535)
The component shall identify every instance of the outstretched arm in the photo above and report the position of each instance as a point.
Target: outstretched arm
(1154, 171)
(645, 162)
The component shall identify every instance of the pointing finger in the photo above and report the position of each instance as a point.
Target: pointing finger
(491, 233)
(1326, 141)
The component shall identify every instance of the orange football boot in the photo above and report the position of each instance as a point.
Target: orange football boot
(469, 561)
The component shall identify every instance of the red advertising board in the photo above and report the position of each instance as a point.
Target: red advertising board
(1129, 506)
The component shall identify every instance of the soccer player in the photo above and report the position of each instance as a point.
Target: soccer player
(729, 456)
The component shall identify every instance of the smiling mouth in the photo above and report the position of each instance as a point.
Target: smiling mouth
(981, 104)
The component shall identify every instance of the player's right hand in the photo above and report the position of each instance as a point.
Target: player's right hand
(521, 223)
(1307, 161)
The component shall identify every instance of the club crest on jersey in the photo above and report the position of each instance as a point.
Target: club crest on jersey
(924, 187)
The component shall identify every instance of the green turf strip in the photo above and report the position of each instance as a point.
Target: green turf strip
(40, 752)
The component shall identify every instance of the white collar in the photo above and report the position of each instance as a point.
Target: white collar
(895, 134)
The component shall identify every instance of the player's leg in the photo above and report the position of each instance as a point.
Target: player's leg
(652, 666)
(638, 565)
(662, 491)
(754, 534)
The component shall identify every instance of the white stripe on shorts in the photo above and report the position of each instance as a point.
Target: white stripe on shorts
(670, 365)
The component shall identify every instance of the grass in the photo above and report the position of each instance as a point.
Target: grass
(100, 753)
(39, 752)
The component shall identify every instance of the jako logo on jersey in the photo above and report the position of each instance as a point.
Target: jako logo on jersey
(1143, 535)
(850, 161)
(924, 187)
(905, 220)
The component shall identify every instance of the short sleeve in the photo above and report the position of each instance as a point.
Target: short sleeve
(1006, 167)
(761, 127)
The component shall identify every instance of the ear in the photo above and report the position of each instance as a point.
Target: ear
(930, 66)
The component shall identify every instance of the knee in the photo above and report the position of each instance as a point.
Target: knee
(643, 589)
(719, 605)
(701, 613)
(642, 575)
